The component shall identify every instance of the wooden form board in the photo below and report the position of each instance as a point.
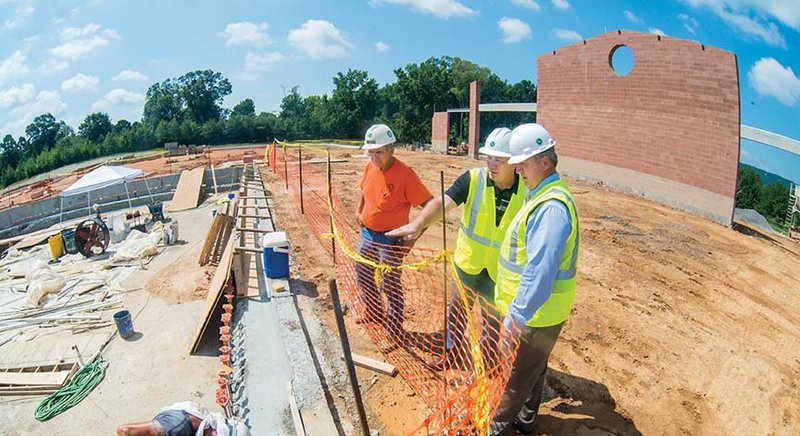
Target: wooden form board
(214, 294)
(35, 380)
(187, 193)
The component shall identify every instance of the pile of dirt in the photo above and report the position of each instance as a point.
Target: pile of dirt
(680, 325)
(182, 281)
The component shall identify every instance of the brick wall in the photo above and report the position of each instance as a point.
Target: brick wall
(474, 118)
(440, 132)
(674, 117)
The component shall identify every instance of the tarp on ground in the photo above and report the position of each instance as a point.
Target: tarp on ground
(101, 177)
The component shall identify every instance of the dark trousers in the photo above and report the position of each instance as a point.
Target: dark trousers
(483, 285)
(379, 248)
(524, 388)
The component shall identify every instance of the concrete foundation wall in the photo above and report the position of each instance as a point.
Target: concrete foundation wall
(668, 130)
(440, 134)
(42, 214)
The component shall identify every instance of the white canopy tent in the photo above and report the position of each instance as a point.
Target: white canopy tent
(102, 177)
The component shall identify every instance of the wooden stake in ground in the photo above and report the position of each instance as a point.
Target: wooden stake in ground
(348, 357)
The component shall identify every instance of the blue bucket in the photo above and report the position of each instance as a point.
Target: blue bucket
(124, 323)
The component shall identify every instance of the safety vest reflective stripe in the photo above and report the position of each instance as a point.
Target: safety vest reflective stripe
(479, 236)
(513, 260)
(511, 263)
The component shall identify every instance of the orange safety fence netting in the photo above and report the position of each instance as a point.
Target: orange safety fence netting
(397, 295)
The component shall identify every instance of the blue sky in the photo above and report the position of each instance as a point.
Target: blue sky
(72, 58)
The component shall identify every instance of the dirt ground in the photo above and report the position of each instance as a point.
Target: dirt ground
(680, 326)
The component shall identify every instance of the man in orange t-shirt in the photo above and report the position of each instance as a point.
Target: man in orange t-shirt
(389, 188)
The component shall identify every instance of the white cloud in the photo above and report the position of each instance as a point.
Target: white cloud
(439, 8)
(52, 65)
(631, 17)
(527, 4)
(567, 35)
(130, 75)
(22, 115)
(20, 15)
(737, 14)
(80, 82)
(12, 66)
(689, 23)
(657, 31)
(382, 46)
(785, 11)
(750, 159)
(16, 95)
(246, 33)
(256, 62)
(769, 77)
(79, 42)
(120, 103)
(513, 29)
(561, 4)
(320, 39)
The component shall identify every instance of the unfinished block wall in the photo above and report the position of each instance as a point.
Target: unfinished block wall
(669, 130)
(440, 132)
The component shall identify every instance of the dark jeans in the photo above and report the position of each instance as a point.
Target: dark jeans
(388, 254)
(483, 285)
(524, 388)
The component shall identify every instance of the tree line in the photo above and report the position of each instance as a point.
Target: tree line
(771, 201)
(188, 109)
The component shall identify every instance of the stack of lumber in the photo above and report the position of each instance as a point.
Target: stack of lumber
(217, 237)
(35, 380)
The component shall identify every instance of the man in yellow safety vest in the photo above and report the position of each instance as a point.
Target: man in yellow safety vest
(536, 273)
(491, 196)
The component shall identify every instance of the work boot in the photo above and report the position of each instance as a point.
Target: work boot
(526, 420)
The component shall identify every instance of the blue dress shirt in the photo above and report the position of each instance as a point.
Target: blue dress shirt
(546, 236)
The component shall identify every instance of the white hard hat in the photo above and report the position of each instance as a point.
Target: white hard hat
(497, 143)
(377, 136)
(528, 140)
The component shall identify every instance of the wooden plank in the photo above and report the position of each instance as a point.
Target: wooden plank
(374, 365)
(256, 197)
(211, 237)
(35, 239)
(222, 239)
(247, 229)
(249, 249)
(34, 378)
(187, 193)
(214, 177)
(214, 294)
(253, 216)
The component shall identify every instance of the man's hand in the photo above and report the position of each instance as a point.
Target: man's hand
(409, 233)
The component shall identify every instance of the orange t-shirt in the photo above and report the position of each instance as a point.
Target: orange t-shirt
(389, 195)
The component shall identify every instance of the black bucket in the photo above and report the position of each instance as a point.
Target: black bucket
(69, 241)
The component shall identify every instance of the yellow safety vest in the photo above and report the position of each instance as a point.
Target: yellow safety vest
(514, 258)
(479, 238)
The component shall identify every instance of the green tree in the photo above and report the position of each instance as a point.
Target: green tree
(95, 127)
(203, 92)
(121, 126)
(749, 189)
(353, 104)
(293, 114)
(43, 133)
(774, 201)
(163, 102)
(245, 108)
